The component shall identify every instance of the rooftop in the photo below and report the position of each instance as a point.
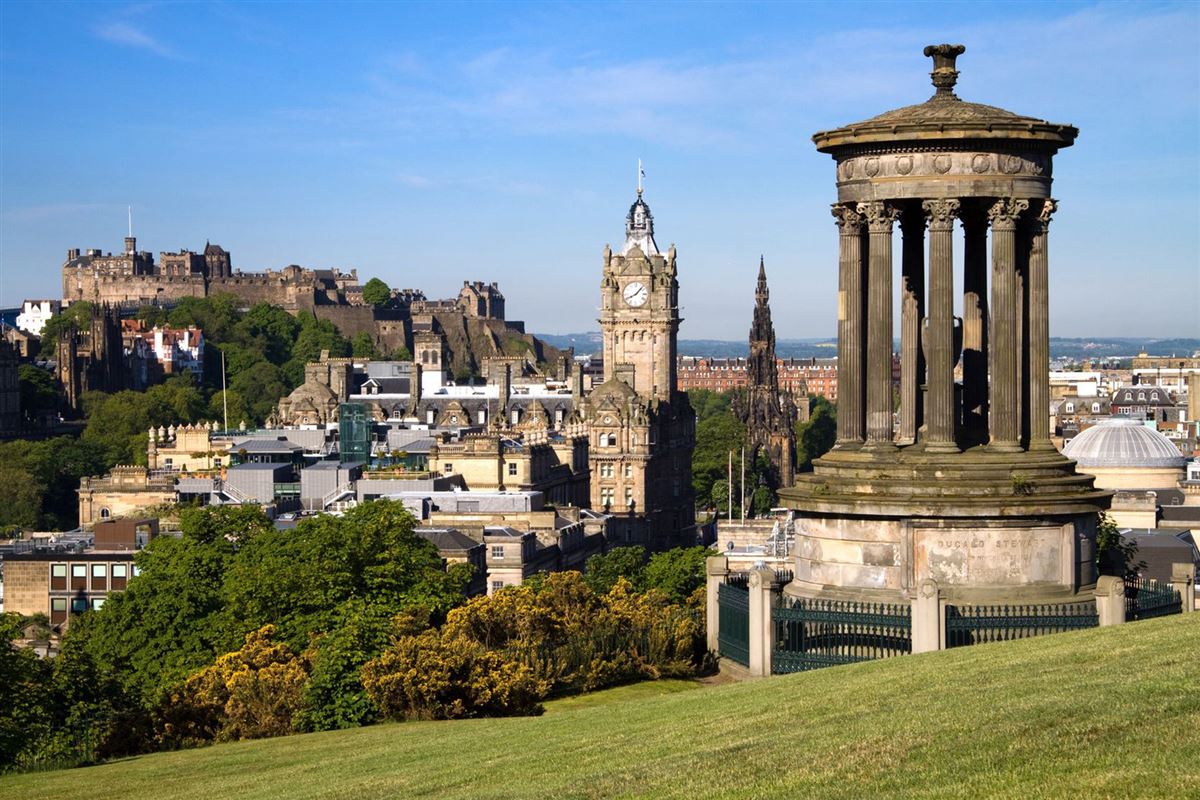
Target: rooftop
(1123, 443)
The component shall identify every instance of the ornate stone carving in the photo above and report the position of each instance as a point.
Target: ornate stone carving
(848, 220)
(944, 74)
(880, 215)
(967, 163)
(1049, 206)
(1004, 212)
(941, 213)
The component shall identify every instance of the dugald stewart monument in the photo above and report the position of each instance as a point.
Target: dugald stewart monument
(969, 493)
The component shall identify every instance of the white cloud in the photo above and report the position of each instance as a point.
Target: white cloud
(129, 35)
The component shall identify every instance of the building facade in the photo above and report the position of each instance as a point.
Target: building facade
(642, 426)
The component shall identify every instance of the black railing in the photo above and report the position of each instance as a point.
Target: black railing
(1146, 599)
(733, 609)
(966, 625)
(810, 634)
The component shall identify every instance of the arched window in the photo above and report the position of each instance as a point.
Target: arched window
(105, 513)
(1154, 395)
(1141, 395)
(430, 416)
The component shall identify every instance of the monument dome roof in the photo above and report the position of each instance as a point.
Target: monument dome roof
(945, 116)
(1123, 443)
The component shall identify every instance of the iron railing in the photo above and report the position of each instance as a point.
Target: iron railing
(966, 625)
(810, 634)
(1146, 599)
(733, 611)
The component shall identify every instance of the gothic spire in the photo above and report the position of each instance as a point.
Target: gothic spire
(762, 294)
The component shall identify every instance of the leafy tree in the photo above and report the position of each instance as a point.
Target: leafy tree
(604, 570)
(1115, 555)
(817, 435)
(678, 572)
(78, 314)
(334, 696)
(151, 316)
(315, 336)
(716, 436)
(299, 579)
(376, 293)
(120, 422)
(401, 353)
(25, 717)
(21, 498)
(38, 391)
(250, 693)
(363, 346)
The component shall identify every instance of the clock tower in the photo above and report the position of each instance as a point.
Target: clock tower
(642, 429)
(639, 308)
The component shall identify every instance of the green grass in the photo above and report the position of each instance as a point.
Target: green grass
(1093, 714)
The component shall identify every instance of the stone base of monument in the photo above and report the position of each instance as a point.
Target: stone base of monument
(988, 527)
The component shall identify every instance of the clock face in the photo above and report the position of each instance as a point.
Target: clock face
(635, 294)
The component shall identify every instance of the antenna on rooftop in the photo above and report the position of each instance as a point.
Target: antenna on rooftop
(130, 220)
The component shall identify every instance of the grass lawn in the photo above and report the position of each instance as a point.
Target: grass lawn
(1111, 713)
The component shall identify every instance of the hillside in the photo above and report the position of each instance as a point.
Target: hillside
(1101, 713)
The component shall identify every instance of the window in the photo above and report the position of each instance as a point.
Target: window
(1070, 407)
(58, 604)
(217, 462)
(168, 463)
(512, 468)
(606, 470)
(1141, 395)
(629, 496)
(79, 576)
(97, 603)
(497, 585)
(447, 468)
(1095, 408)
(79, 604)
(497, 551)
(628, 470)
(99, 570)
(430, 416)
(135, 571)
(482, 416)
(1154, 395)
(105, 513)
(606, 496)
(120, 572)
(58, 576)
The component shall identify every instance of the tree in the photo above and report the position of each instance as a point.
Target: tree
(716, 437)
(151, 316)
(1115, 555)
(250, 693)
(21, 498)
(678, 572)
(38, 392)
(377, 293)
(604, 570)
(78, 315)
(817, 435)
(299, 579)
(363, 346)
(25, 718)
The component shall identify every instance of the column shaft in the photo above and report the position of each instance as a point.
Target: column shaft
(851, 427)
(1039, 331)
(975, 325)
(912, 310)
(1005, 423)
(880, 218)
(940, 427)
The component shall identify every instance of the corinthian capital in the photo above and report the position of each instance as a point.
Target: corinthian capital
(848, 220)
(880, 215)
(1049, 206)
(1004, 212)
(941, 213)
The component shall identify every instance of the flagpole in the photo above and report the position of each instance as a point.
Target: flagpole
(224, 394)
(729, 489)
(743, 484)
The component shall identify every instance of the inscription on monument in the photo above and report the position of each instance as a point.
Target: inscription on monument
(994, 558)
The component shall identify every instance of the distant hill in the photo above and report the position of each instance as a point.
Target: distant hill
(1106, 712)
(589, 343)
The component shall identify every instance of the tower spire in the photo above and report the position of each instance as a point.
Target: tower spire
(641, 176)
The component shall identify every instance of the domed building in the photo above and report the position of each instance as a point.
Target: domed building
(1143, 466)
(1125, 454)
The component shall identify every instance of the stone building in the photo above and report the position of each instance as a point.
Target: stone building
(93, 358)
(479, 299)
(768, 414)
(10, 390)
(123, 492)
(35, 314)
(642, 426)
(969, 497)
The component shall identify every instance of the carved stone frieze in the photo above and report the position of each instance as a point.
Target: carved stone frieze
(967, 163)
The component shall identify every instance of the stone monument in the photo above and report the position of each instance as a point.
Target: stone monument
(962, 485)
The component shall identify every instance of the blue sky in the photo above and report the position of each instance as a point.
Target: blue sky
(430, 144)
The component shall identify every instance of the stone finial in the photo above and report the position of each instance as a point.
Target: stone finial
(944, 74)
